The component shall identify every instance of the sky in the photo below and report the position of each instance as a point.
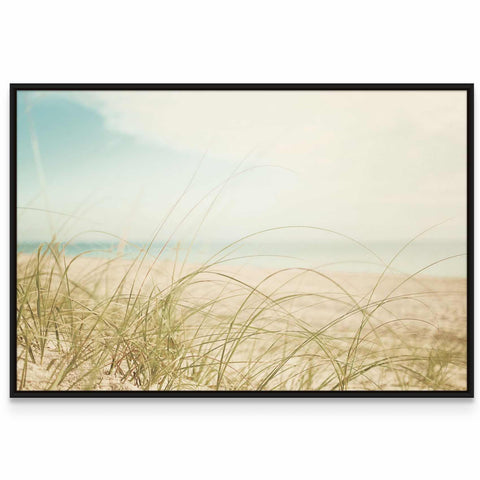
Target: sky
(376, 165)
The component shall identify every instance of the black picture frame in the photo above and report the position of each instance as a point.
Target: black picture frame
(469, 392)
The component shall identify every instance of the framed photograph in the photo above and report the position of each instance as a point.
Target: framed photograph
(280, 240)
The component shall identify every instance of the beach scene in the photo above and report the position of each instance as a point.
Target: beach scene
(241, 240)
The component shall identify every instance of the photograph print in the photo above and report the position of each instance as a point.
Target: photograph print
(241, 240)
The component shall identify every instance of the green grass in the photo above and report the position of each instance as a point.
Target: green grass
(88, 324)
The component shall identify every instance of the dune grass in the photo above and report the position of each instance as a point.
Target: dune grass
(143, 324)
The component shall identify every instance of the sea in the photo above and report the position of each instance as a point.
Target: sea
(439, 258)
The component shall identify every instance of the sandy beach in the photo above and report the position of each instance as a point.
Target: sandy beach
(243, 328)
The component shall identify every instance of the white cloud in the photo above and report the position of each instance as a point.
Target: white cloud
(286, 124)
(366, 161)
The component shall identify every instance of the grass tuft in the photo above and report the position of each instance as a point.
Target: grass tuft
(98, 324)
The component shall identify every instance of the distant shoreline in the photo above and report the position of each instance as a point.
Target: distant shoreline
(340, 257)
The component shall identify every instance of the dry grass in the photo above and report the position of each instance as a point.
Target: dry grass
(97, 324)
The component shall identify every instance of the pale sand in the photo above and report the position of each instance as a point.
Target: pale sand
(425, 315)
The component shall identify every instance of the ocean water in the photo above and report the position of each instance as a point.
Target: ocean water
(342, 255)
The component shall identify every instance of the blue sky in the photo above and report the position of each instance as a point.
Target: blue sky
(373, 165)
(109, 179)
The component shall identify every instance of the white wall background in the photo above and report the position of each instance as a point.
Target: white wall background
(249, 41)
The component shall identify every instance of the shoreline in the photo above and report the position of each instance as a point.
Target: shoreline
(449, 258)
